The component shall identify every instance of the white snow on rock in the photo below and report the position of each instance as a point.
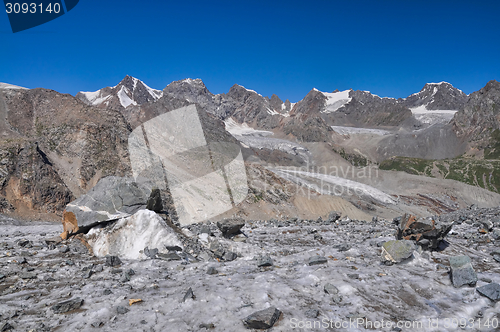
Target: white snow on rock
(355, 130)
(243, 129)
(330, 184)
(10, 86)
(129, 236)
(125, 100)
(336, 100)
(427, 116)
(95, 98)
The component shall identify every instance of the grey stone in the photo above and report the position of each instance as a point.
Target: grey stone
(111, 196)
(497, 258)
(143, 322)
(154, 202)
(87, 274)
(333, 216)
(63, 249)
(125, 277)
(496, 233)
(229, 256)
(212, 270)
(315, 260)
(66, 306)
(487, 224)
(265, 261)
(416, 229)
(491, 291)
(170, 256)
(173, 248)
(337, 298)
(331, 289)
(27, 275)
(107, 291)
(113, 261)
(397, 251)
(151, 253)
(462, 272)
(264, 319)
(312, 313)
(230, 227)
(97, 324)
(189, 295)
(121, 310)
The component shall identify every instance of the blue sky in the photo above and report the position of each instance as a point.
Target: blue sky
(391, 48)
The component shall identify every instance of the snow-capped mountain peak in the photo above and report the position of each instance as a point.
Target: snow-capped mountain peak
(130, 91)
(336, 100)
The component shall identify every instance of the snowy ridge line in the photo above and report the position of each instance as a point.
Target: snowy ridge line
(336, 100)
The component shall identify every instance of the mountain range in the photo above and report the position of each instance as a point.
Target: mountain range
(55, 147)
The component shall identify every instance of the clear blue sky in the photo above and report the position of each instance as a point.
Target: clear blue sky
(391, 48)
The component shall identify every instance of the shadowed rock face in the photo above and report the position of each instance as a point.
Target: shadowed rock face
(437, 96)
(424, 231)
(480, 116)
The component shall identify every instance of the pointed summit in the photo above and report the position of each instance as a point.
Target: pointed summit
(437, 96)
(130, 91)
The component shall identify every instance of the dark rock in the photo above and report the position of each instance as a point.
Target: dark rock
(173, 248)
(144, 322)
(487, 224)
(125, 277)
(353, 275)
(264, 319)
(170, 256)
(107, 291)
(491, 291)
(333, 216)
(24, 243)
(151, 253)
(87, 274)
(66, 306)
(154, 202)
(265, 261)
(411, 228)
(229, 256)
(189, 295)
(397, 251)
(212, 270)
(331, 289)
(113, 261)
(496, 233)
(337, 298)
(130, 272)
(343, 247)
(6, 327)
(315, 260)
(230, 227)
(97, 324)
(23, 261)
(497, 258)
(207, 326)
(462, 272)
(116, 271)
(121, 310)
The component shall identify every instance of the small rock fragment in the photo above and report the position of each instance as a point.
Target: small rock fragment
(331, 289)
(265, 261)
(189, 295)
(231, 226)
(462, 272)
(113, 261)
(491, 291)
(66, 306)
(315, 260)
(397, 251)
(134, 301)
(122, 310)
(264, 319)
(212, 270)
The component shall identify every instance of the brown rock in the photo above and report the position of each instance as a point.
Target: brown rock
(70, 224)
(426, 232)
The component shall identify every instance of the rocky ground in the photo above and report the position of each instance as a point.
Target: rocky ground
(308, 274)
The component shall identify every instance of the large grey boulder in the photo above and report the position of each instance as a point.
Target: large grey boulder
(112, 197)
(462, 272)
(230, 227)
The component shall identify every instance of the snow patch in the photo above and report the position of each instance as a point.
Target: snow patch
(95, 98)
(12, 87)
(432, 117)
(336, 100)
(243, 129)
(124, 98)
(129, 236)
(354, 130)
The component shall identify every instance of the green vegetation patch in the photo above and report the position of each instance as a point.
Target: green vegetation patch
(483, 173)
